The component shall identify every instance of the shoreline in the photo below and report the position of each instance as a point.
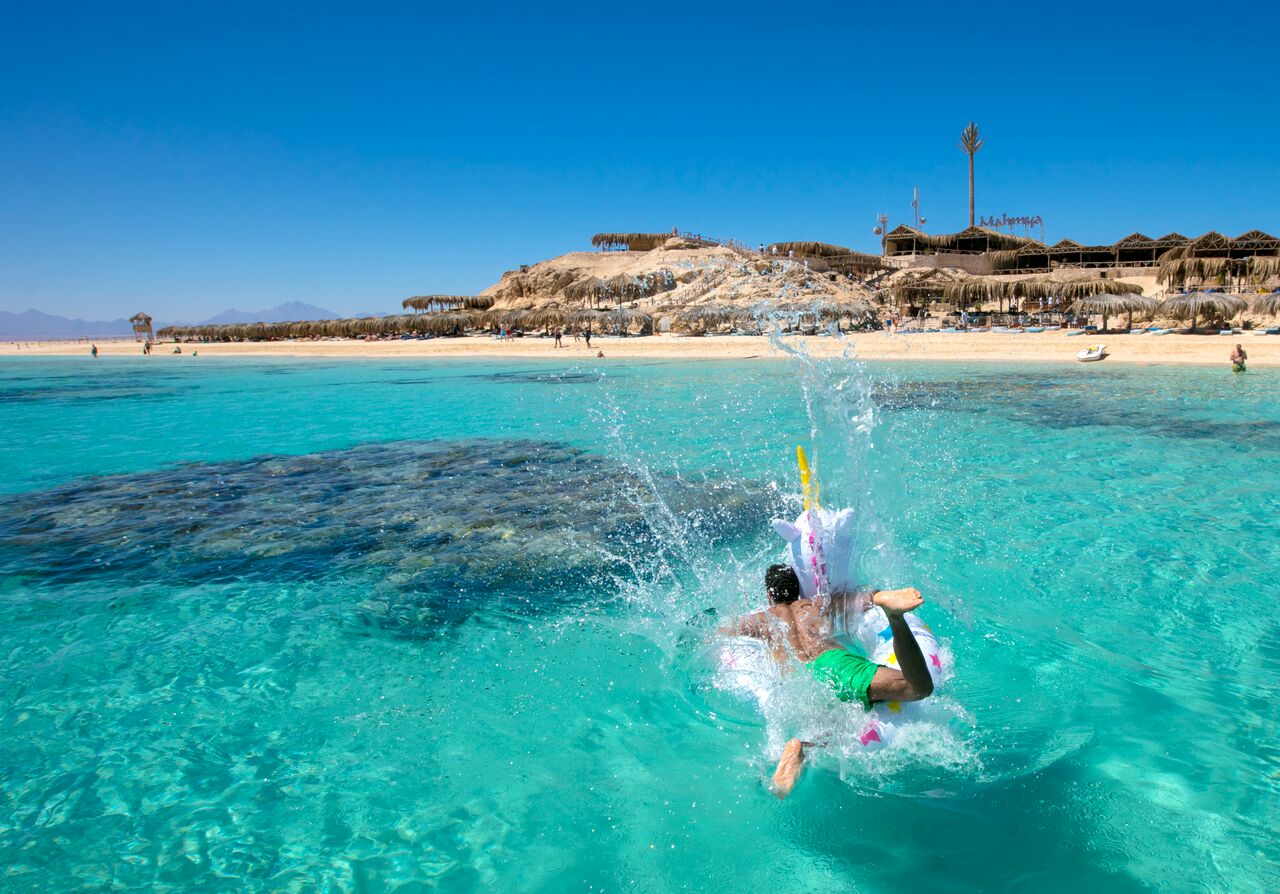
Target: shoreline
(975, 347)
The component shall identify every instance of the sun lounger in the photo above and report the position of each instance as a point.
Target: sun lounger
(1077, 332)
(1272, 332)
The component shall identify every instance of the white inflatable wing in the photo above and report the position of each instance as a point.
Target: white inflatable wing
(820, 543)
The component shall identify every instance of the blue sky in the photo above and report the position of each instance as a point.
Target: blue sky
(185, 158)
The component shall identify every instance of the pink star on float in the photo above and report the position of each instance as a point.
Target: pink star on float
(936, 662)
(869, 735)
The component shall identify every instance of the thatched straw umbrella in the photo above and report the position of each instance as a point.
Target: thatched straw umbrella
(546, 317)
(589, 291)
(1108, 304)
(1263, 269)
(853, 309)
(451, 322)
(971, 292)
(624, 319)
(919, 288)
(698, 319)
(447, 302)
(1193, 305)
(630, 241)
(623, 287)
(1268, 304)
(588, 318)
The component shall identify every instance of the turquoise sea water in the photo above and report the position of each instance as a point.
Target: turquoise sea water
(418, 626)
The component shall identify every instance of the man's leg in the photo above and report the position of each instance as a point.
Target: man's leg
(789, 767)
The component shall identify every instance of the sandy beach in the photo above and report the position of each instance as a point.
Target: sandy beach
(967, 346)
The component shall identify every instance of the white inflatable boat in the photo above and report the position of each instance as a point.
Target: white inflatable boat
(1092, 353)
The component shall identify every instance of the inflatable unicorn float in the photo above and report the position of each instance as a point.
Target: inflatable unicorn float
(820, 545)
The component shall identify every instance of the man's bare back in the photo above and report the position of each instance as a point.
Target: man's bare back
(799, 629)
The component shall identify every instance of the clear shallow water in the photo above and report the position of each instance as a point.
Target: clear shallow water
(369, 626)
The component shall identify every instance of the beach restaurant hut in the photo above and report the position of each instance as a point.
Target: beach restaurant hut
(1134, 250)
(1254, 243)
(905, 240)
(1168, 242)
(1031, 257)
(979, 240)
(142, 327)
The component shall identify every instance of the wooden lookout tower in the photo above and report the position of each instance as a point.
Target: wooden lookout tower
(142, 327)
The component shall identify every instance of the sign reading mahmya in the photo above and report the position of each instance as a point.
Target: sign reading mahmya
(1004, 220)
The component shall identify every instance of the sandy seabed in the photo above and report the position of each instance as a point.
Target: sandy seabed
(927, 346)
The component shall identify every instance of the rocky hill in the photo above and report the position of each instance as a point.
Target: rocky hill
(677, 274)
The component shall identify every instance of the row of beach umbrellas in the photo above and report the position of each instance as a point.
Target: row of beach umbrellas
(437, 323)
(1193, 306)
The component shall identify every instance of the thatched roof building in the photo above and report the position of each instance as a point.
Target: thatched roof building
(142, 327)
(905, 240)
(1008, 253)
(835, 257)
(629, 241)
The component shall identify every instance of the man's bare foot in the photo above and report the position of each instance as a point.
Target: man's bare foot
(898, 602)
(789, 766)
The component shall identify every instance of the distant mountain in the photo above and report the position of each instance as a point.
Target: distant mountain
(36, 325)
(283, 313)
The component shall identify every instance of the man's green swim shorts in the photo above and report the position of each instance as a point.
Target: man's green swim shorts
(848, 674)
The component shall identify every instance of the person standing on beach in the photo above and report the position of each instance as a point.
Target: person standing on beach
(93, 350)
(1238, 358)
(792, 626)
(558, 333)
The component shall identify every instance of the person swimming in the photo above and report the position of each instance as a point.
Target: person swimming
(801, 628)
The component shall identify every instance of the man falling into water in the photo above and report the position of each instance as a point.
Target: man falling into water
(801, 628)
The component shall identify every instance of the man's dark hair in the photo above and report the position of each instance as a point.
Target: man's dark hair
(781, 584)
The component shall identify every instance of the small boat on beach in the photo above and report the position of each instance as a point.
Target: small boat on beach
(1092, 353)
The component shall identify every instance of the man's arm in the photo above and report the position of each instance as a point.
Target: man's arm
(754, 625)
(912, 683)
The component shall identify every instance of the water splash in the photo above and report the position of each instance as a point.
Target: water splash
(681, 583)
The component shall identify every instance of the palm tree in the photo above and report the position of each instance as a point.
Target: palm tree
(970, 143)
